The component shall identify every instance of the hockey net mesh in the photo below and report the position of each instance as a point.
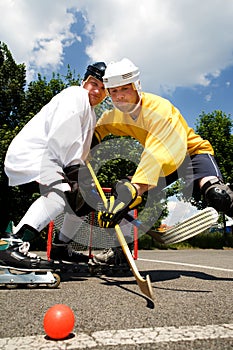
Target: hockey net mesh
(89, 237)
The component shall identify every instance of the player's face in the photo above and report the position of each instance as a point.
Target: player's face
(96, 90)
(124, 97)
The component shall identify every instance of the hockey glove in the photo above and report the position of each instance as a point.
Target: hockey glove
(81, 197)
(124, 198)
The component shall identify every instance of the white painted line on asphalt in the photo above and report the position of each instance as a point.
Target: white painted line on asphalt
(185, 264)
(122, 337)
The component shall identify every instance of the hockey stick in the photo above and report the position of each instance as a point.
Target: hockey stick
(144, 284)
(190, 227)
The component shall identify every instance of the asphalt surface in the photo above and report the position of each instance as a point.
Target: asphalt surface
(193, 306)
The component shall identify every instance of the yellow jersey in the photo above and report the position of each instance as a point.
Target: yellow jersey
(162, 131)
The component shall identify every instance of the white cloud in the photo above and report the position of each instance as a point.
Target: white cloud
(175, 43)
(36, 32)
(178, 211)
(208, 97)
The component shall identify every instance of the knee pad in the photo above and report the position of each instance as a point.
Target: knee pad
(219, 196)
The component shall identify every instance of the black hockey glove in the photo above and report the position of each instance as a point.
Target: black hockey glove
(124, 198)
(74, 197)
(83, 195)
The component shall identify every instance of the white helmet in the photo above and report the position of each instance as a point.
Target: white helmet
(121, 73)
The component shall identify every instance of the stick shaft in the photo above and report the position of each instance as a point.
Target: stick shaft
(144, 285)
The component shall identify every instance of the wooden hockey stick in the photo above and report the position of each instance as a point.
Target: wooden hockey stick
(144, 284)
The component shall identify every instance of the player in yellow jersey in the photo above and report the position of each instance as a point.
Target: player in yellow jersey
(170, 145)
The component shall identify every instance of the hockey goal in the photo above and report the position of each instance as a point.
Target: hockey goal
(90, 238)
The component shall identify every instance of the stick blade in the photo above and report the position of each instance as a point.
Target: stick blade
(146, 287)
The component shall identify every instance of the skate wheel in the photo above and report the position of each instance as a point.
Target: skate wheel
(110, 272)
(63, 269)
(56, 283)
(76, 268)
(92, 270)
(11, 285)
(32, 285)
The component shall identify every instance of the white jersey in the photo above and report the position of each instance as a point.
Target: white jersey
(58, 136)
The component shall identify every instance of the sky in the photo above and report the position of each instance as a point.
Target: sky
(183, 48)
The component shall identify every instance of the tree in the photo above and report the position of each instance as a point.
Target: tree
(40, 92)
(12, 83)
(216, 127)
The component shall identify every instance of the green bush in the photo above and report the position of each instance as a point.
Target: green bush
(145, 242)
(209, 240)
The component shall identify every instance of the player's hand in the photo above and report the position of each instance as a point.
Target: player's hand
(124, 198)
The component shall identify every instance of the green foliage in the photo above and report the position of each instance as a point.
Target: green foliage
(175, 189)
(12, 83)
(6, 136)
(217, 127)
(71, 78)
(145, 242)
(153, 209)
(116, 158)
(103, 106)
(40, 92)
(208, 240)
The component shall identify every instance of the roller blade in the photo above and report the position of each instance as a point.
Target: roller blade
(13, 278)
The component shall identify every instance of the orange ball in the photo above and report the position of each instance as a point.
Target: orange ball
(59, 321)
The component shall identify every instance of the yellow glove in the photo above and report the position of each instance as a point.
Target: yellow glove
(124, 198)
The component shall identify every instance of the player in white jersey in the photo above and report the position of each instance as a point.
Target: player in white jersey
(48, 154)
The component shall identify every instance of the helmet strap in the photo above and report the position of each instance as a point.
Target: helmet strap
(134, 109)
(137, 106)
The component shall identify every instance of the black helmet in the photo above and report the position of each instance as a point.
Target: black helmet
(96, 70)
